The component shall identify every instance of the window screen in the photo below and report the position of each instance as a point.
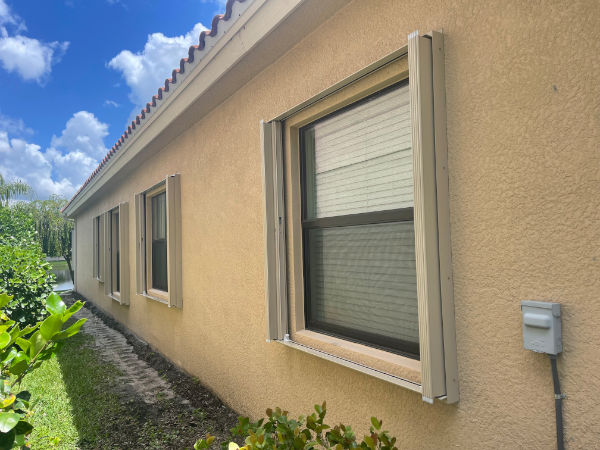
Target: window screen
(159, 242)
(359, 249)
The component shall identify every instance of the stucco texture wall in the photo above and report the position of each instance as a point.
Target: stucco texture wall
(523, 106)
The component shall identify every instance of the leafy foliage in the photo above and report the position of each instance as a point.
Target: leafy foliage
(279, 432)
(53, 229)
(23, 350)
(12, 189)
(24, 272)
(25, 275)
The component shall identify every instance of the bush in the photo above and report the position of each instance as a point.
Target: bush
(17, 228)
(24, 273)
(278, 432)
(23, 350)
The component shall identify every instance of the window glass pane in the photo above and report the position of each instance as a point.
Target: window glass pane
(362, 284)
(116, 260)
(159, 242)
(360, 160)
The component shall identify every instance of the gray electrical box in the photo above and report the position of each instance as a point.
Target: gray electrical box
(541, 327)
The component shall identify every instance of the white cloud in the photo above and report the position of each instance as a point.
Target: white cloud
(145, 71)
(62, 168)
(14, 126)
(31, 58)
(111, 103)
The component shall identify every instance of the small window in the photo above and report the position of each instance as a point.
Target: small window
(116, 284)
(115, 254)
(98, 253)
(158, 242)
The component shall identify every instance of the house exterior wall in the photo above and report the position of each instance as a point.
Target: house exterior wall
(523, 108)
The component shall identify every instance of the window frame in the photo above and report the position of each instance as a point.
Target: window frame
(438, 377)
(148, 196)
(98, 249)
(110, 263)
(173, 296)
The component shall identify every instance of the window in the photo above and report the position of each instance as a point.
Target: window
(98, 253)
(357, 223)
(358, 264)
(158, 242)
(116, 283)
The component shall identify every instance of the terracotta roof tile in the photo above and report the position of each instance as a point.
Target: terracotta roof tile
(169, 81)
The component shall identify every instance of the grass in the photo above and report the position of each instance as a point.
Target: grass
(81, 403)
(59, 265)
(73, 398)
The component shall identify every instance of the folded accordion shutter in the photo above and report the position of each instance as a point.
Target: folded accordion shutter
(124, 253)
(174, 263)
(274, 231)
(426, 220)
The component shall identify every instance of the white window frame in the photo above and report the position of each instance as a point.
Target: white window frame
(122, 296)
(438, 366)
(173, 297)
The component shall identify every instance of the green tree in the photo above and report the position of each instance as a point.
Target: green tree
(12, 189)
(53, 229)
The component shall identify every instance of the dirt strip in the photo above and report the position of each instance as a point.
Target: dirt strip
(149, 381)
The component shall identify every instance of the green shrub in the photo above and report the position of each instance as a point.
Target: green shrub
(25, 275)
(23, 350)
(278, 432)
(17, 228)
(24, 272)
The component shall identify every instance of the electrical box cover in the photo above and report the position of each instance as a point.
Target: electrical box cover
(541, 327)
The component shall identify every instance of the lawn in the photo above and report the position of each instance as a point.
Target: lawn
(74, 398)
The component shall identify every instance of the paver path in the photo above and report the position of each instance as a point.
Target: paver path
(138, 378)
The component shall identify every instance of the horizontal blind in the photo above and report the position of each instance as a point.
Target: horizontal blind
(360, 160)
(363, 278)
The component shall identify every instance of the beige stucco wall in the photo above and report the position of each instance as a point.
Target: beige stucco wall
(523, 104)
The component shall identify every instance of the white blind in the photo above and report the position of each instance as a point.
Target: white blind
(361, 160)
(363, 278)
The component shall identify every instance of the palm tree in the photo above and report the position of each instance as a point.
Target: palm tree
(9, 190)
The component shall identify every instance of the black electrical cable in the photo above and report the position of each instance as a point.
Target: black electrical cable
(558, 398)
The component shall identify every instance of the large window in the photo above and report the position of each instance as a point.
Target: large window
(358, 231)
(158, 242)
(358, 264)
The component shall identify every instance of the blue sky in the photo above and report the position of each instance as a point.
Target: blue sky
(75, 72)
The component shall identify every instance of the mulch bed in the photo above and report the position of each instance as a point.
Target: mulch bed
(168, 424)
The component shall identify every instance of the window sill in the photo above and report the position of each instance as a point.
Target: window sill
(396, 369)
(99, 280)
(152, 295)
(115, 296)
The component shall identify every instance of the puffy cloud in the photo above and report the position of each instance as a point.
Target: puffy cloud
(83, 133)
(145, 71)
(62, 168)
(31, 58)
(14, 126)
